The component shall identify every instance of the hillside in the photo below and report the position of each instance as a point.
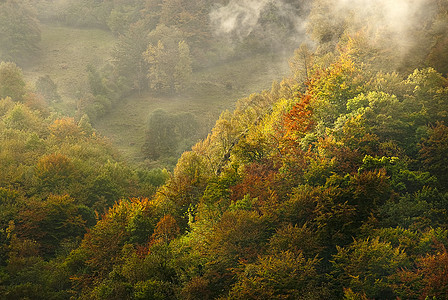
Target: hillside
(64, 54)
(327, 180)
(126, 125)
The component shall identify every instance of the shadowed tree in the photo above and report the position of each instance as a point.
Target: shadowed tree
(12, 83)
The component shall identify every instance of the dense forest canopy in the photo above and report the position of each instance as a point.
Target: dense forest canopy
(332, 184)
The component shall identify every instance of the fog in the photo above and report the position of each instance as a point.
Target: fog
(398, 22)
(238, 19)
(398, 18)
(230, 49)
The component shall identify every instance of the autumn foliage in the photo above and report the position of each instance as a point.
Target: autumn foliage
(330, 185)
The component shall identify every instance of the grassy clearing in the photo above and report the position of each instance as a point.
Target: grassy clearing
(65, 54)
(213, 91)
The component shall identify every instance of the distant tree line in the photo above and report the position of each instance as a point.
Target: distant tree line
(330, 185)
(19, 32)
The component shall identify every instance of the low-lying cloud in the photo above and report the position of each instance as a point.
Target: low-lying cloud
(239, 18)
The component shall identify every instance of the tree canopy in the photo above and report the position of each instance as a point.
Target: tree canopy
(330, 185)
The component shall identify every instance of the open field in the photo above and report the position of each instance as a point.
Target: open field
(66, 52)
(213, 91)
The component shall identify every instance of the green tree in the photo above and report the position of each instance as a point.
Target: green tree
(428, 91)
(189, 17)
(365, 266)
(433, 150)
(428, 279)
(103, 246)
(161, 66)
(239, 236)
(161, 136)
(54, 173)
(128, 62)
(91, 13)
(54, 221)
(29, 276)
(301, 63)
(182, 70)
(123, 15)
(436, 59)
(282, 275)
(168, 135)
(12, 83)
(48, 89)
(332, 87)
(19, 31)
(168, 56)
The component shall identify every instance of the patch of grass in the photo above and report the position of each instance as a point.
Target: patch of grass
(66, 52)
(213, 90)
(64, 56)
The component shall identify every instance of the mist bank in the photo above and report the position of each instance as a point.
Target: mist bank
(401, 28)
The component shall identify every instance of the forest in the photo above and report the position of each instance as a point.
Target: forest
(199, 149)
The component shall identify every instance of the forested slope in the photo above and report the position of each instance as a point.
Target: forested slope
(332, 184)
(56, 177)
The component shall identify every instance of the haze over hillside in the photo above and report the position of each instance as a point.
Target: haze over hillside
(199, 149)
